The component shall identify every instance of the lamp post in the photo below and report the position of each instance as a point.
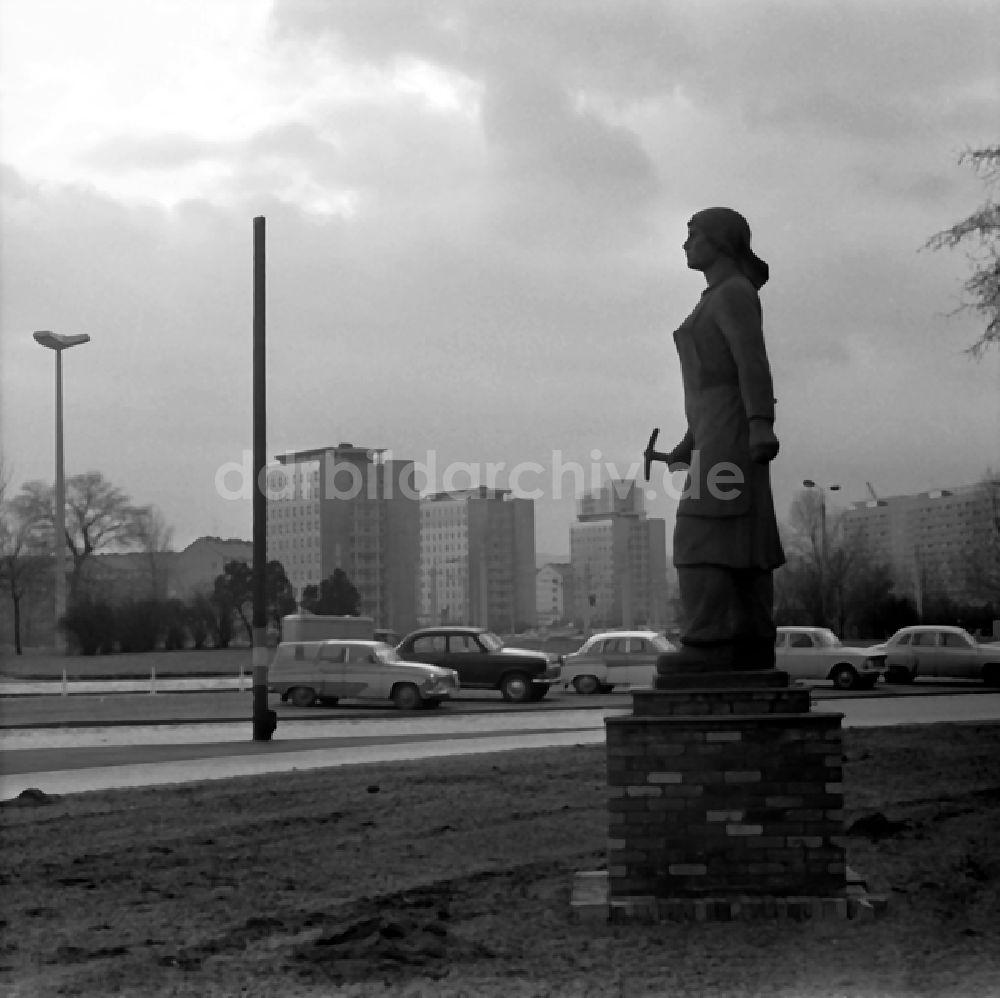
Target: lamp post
(53, 341)
(810, 484)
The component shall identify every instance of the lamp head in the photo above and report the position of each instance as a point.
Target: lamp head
(55, 341)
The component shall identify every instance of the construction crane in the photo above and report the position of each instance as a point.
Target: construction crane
(872, 492)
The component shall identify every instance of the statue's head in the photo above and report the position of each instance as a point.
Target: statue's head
(729, 232)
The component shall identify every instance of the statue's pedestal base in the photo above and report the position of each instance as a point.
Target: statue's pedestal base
(724, 795)
(590, 904)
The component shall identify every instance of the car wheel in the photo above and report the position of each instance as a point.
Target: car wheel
(329, 701)
(516, 687)
(991, 674)
(844, 677)
(406, 696)
(538, 692)
(302, 696)
(587, 685)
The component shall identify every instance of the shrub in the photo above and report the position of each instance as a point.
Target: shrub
(90, 624)
(138, 624)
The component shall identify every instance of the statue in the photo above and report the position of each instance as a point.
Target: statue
(726, 543)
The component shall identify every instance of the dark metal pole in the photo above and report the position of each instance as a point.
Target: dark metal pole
(59, 550)
(264, 720)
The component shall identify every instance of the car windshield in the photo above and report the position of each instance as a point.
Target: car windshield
(492, 642)
(826, 638)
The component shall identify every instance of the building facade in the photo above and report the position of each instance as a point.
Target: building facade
(477, 559)
(619, 560)
(346, 507)
(929, 540)
(554, 594)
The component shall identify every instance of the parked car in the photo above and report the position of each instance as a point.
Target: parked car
(941, 651)
(816, 653)
(614, 658)
(307, 672)
(482, 661)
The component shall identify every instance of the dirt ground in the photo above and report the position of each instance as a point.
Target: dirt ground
(451, 877)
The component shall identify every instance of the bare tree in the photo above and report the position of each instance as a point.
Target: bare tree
(830, 578)
(99, 516)
(155, 538)
(22, 549)
(981, 231)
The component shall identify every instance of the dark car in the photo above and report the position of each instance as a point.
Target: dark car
(482, 661)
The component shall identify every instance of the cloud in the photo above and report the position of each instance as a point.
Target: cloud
(474, 216)
(158, 152)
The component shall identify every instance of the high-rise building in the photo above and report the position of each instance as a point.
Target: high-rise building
(554, 593)
(347, 507)
(477, 559)
(929, 540)
(619, 559)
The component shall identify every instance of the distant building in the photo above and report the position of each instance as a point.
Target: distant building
(619, 560)
(477, 559)
(554, 594)
(196, 568)
(926, 540)
(165, 574)
(346, 507)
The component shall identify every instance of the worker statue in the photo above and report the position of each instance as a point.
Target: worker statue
(726, 543)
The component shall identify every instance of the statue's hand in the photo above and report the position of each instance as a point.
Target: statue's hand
(674, 463)
(763, 442)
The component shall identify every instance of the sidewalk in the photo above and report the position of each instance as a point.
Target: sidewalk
(39, 757)
(157, 754)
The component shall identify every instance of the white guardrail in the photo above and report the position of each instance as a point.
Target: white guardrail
(242, 682)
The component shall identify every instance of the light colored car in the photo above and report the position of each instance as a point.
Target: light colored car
(942, 652)
(614, 658)
(307, 672)
(816, 653)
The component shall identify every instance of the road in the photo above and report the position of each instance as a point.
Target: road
(59, 755)
(95, 703)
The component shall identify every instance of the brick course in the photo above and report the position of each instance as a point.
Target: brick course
(725, 792)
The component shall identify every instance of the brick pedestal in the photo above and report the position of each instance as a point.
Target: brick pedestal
(724, 787)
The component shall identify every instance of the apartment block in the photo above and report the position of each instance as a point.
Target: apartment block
(927, 540)
(348, 507)
(619, 559)
(477, 559)
(554, 601)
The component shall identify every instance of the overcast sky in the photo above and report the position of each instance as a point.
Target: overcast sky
(474, 216)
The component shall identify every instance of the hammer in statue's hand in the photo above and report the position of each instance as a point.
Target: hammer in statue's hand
(650, 454)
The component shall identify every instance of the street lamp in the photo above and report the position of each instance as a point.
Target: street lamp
(54, 341)
(810, 484)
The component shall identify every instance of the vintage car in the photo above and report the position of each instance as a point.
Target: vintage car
(482, 661)
(941, 652)
(816, 653)
(326, 672)
(614, 658)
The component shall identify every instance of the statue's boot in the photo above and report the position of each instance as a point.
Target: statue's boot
(753, 654)
(696, 658)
